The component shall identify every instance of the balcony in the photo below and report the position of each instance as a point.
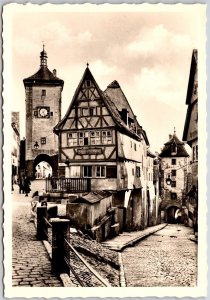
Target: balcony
(68, 185)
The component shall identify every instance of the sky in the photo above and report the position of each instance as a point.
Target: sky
(148, 53)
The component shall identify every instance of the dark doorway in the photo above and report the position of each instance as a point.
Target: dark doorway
(171, 214)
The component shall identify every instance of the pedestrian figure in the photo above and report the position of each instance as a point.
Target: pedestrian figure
(27, 185)
(21, 185)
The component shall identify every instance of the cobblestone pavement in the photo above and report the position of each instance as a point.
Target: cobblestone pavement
(166, 258)
(30, 261)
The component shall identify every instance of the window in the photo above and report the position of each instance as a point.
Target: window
(72, 139)
(83, 138)
(85, 111)
(75, 171)
(92, 111)
(95, 138)
(133, 171)
(43, 93)
(87, 171)
(51, 113)
(106, 137)
(98, 110)
(131, 144)
(173, 173)
(173, 196)
(100, 171)
(43, 140)
(173, 149)
(173, 183)
(137, 171)
(135, 146)
(173, 161)
(88, 83)
(36, 113)
(111, 172)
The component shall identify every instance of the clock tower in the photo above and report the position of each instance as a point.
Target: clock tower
(43, 111)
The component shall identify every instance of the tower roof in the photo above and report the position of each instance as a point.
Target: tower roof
(43, 75)
(174, 142)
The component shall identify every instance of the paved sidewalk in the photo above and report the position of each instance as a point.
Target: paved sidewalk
(30, 260)
(127, 239)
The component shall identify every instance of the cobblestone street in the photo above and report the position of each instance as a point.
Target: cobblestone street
(30, 261)
(166, 258)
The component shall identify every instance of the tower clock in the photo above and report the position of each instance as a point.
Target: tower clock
(43, 111)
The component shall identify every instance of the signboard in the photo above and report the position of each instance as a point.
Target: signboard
(94, 151)
(61, 164)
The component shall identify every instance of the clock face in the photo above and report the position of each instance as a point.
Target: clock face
(43, 112)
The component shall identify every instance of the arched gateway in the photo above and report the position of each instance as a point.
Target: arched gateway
(43, 112)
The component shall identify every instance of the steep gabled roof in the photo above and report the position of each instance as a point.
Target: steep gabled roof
(180, 149)
(86, 76)
(120, 102)
(43, 75)
(109, 103)
(193, 70)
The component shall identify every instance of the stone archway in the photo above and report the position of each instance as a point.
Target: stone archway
(170, 213)
(51, 160)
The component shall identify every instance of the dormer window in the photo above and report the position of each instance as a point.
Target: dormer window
(173, 149)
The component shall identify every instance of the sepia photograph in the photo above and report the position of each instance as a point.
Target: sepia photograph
(105, 150)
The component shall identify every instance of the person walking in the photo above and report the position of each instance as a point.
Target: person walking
(21, 185)
(27, 185)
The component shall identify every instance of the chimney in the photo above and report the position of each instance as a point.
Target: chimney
(54, 73)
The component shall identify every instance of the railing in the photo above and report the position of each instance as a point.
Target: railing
(68, 185)
(65, 258)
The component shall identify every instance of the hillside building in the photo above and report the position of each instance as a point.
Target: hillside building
(190, 135)
(103, 147)
(174, 168)
(15, 155)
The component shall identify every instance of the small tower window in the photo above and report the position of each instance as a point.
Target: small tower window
(173, 183)
(173, 173)
(173, 149)
(43, 93)
(173, 161)
(43, 140)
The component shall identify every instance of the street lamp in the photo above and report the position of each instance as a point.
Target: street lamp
(168, 180)
(36, 145)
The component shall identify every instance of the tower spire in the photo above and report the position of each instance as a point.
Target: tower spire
(43, 57)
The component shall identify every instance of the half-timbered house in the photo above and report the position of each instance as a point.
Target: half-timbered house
(102, 145)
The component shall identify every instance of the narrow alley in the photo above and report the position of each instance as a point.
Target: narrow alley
(166, 258)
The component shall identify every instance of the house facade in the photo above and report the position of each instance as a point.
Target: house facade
(100, 140)
(15, 155)
(153, 194)
(174, 169)
(190, 135)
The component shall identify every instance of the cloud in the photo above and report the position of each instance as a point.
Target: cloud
(160, 84)
(157, 41)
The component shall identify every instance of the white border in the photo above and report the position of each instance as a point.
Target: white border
(201, 289)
